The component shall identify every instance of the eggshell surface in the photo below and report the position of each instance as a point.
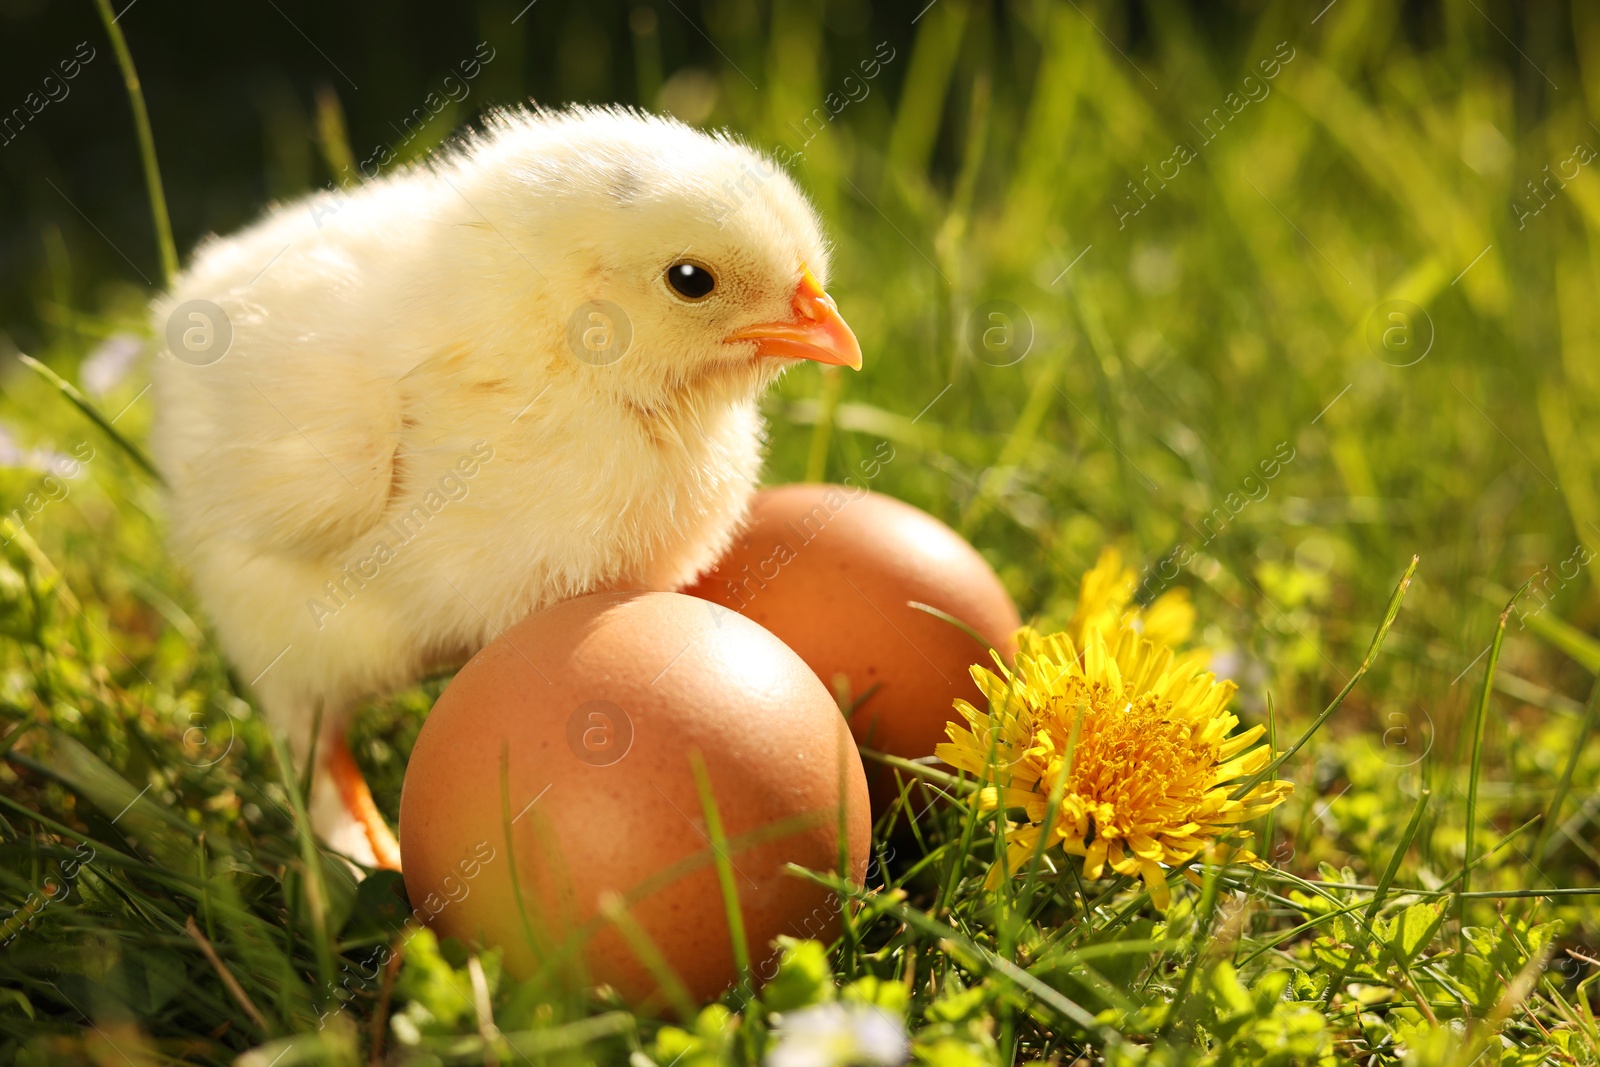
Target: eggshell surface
(832, 570)
(556, 768)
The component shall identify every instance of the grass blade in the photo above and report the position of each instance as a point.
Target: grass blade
(1584, 649)
(616, 911)
(1477, 745)
(1209, 897)
(536, 944)
(229, 982)
(1364, 932)
(147, 142)
(1565, 784)
(724, 863)
(9, 741)
(333, 138)
(945, 616)
(1389, 615)
(1052, 998)
(822, 429)
(316, 889)
(81, 402)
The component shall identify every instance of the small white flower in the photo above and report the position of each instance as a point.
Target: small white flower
(1226, 663)
(110, 362)
(42, 460)
(839, 1035)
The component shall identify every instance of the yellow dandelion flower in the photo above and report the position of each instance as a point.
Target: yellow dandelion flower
(1140, 740)
(1103, 600)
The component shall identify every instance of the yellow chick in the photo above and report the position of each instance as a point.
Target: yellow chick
(397, 419)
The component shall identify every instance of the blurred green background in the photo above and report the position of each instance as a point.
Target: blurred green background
(1270, 296)
(1192, 221)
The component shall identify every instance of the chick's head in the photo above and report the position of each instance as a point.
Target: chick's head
(685, 267)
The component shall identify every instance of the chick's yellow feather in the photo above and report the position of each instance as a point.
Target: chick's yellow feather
(409, 440)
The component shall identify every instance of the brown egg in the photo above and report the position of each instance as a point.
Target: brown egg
(832, 570)
(557, 766)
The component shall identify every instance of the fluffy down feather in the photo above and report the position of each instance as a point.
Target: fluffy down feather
(399, 454)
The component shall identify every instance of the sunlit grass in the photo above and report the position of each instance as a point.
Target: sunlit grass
(1178, 353)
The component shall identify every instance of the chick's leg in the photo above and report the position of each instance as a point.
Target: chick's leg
(344, 816)
(344, 813)
(279, 625)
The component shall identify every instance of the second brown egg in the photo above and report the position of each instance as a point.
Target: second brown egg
(833, 571)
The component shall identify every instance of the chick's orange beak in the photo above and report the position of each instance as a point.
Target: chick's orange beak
(817, 331)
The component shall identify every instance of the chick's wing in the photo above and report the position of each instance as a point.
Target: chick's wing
(288, 440)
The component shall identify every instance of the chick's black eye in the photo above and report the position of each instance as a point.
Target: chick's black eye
(691, 281)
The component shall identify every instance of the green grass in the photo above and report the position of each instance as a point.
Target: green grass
(1222, 327)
